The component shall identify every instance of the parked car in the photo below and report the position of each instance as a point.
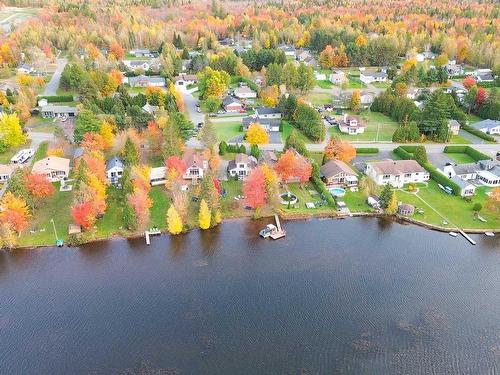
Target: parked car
(198, 110)
(498, 155)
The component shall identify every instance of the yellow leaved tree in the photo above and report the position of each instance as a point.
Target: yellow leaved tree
(174, 222)
(257, 135)
(204, 215)
(11, 133)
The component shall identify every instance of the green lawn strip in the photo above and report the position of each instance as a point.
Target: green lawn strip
(381, 85)
(461, 158)
(472, 118)
(161, 203)
(229, 206)
(458, 139)
(375, 123)
(355, 83)
(112, 221)
(41, 152)
(227, 130)
(56, 207)
(287, 130)
(319, 98)
(324, 84)
(428, 216)
(355, 201)
(304, 196)
(458, 210)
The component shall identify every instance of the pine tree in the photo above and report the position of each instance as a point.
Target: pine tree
(204, 215)
(385, 196)
(174, 222)
(130, 153)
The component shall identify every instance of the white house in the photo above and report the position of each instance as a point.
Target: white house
(288, 50)
(52, 111)
(241, 166)
(157, 176)
(184, 79)
(5, 172)
(370, 77)
(490, 178)
(114, 169)
(269, 124)
(196, 164)
(137, 64)
(25, 69)
(453, 127)
(488, 126)
(464, 171)
(466, 188)
(244, 92)
(52, 167)
(338, 77)
(268, 112)
(145, 81)
(396, 172)
(454, 70)
(22, 156)
(351, 125)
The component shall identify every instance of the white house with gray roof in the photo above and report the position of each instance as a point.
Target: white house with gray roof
(488, 126)
(114, 169)
(145, 81)
(370, 77)
(53, 111)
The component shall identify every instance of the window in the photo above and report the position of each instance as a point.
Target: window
(407, 175)
(387, 176)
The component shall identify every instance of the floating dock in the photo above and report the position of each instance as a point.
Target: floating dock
(279, 232)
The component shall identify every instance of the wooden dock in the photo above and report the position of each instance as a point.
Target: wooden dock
(467, 237)
(279, 232)
(149, 233)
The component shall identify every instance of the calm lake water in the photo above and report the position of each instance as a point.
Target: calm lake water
(356, 296)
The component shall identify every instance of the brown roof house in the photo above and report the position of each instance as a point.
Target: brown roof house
(52, 167)
(338, 173)
(241, 166)
(396, 172)
(196, 164)
(6, 171)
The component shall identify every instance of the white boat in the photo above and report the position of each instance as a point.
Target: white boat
(489, 234)
(267, 231)
(453, 234)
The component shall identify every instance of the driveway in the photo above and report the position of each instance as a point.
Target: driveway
(190, 101)
(439, 159)
(53, 85)
(471, 137)
(37, 138)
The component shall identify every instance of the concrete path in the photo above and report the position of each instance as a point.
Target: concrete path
(53, 85)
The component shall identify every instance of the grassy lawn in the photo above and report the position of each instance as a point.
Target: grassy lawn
(56, 207)
(41, 152)
(304, 195)
(112, 221)
(428, 216)
(227, 130)
(161, 203)
(288, 128)
(355, 83)
(379, 127)
(381, 85)
(355, 201)
(324, 84)
(472, 118)
(61, 91)
(461, 158)
(459, 140)
(229, 206)
(319, 98)
(455, 209)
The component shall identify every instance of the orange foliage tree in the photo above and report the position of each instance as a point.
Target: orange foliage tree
(14, 212)
(254, 189)
(339, 150)
(84, 215)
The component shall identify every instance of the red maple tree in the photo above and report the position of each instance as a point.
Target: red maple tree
(39, 186)
(254, 189)
(468, 82)
(84, 214)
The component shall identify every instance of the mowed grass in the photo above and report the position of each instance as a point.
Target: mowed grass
(161, 203)
(287, 130)
(227, 130)
(460, 158)
(458, 139)
(56, 207)
(324, 84)
(456, 210)
(379, 127)
(319, 98)
(112, 221)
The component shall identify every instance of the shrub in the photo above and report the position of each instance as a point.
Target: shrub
(402, 153)
(57, 98)
(441, 178)
(222, 148)
(477, 207)
(420, 155)
(254, 151)
(320, 185)
(472, 152)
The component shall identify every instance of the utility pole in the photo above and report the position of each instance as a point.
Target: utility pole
(55, 231)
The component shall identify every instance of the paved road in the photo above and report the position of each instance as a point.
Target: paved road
(470, 137)
(53, 85)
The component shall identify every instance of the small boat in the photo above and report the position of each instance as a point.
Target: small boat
(267, 231)
(453, 234)
(489, 234)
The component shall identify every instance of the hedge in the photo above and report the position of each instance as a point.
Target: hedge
(320, 185)
(472, 152)
(250, 83)
(478, 133)
(367, 150)
(441, 178)
(57, 98)
(402, 153)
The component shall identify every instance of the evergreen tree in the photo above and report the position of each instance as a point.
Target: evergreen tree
(420, 155)
(392, 206)
(130, 154)
(385, 196)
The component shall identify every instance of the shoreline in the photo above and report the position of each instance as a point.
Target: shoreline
(288, 217)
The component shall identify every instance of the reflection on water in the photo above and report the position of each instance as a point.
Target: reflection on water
(355, 296)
